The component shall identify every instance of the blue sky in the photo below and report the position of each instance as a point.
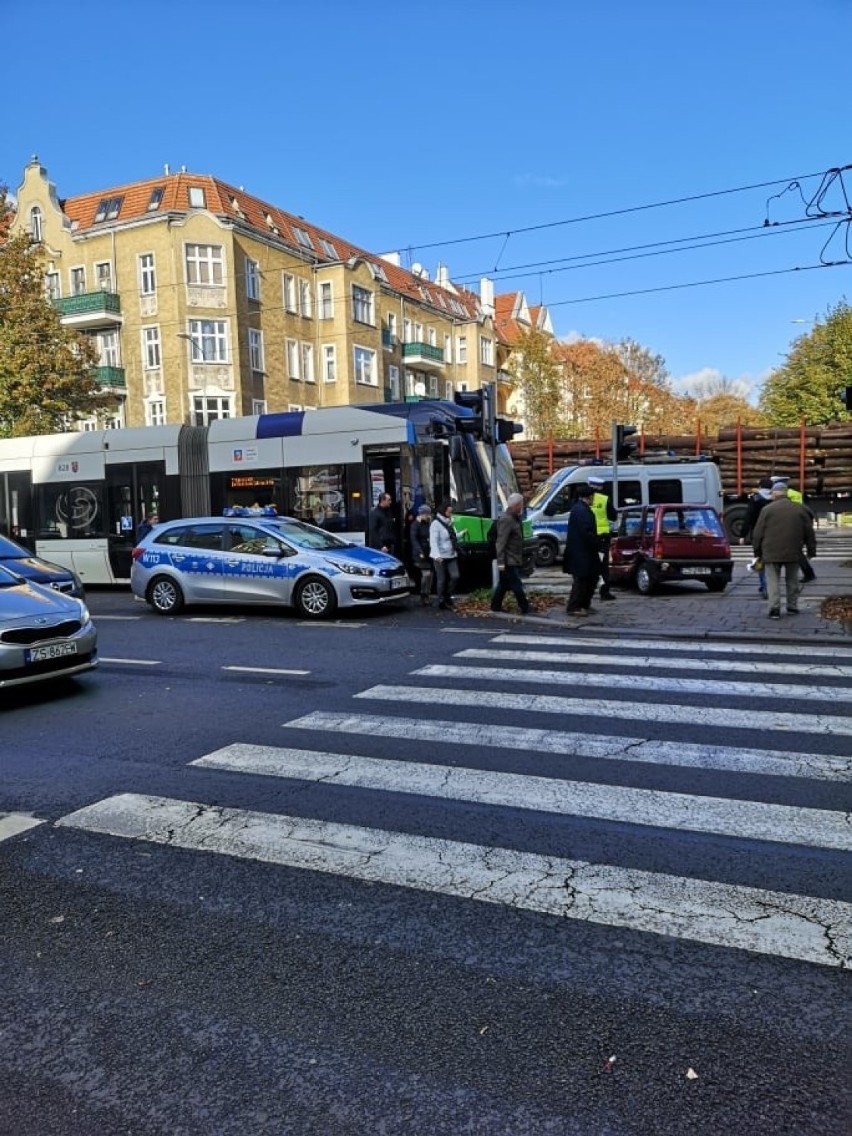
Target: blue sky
(407, 125)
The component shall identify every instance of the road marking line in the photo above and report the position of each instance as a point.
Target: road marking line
(799, 669)
(216, 619)
(125, 618)
(748, 820)
(133, 662)
(12, 824)
(333, 624)
(266, 670)
(692, 646)
(696, 716)
(637, 682)
(753, 919)
(532, 740)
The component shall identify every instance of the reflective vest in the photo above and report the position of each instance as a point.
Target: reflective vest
(794, 495)
(600, 501)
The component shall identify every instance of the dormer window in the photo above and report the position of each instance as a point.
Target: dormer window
(155, 198)
(196, 197)
(303, 237)
(329, 249)
(108, 209)
(36, 230)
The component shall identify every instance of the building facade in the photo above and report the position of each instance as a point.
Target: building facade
(207, 302)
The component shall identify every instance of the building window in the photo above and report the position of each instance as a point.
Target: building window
(393, 326)
(486, 350)
(329, 249)
(36, 226)
(108, 349)
(252, 279)
(155, 198)
(303, 238)
(204, 264)
(393, 383)
(292, 359)
(78, 281)
(307, 363)
(433, 337)
(151, 347)
(258, 406)
(52, 286)
(326, 301)
(208, 341)
(461, 349)
(448, 349)
(418, 333)
(103, 277)
(289, 292)
(255, 341)
(108, 209)
(206, 410)
(365, 366)
(406, 331)
(362, 304)
(305, 304)
(147, 274)
(448, 391)
(155, 412)
(197, 201)
(329, 363)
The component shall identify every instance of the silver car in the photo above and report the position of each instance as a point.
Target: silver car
(256, 558)
(44, 634)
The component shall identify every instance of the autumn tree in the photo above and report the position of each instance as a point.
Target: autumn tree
(817, 368)
(536, 379)
(46, 378)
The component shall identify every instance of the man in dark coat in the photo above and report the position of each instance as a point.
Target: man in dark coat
(782, 528)
(510, 555)
(382, 530)
(582, 558)
(756, 504)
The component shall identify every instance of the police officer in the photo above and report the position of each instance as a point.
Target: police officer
(795, 496)
(605, 513)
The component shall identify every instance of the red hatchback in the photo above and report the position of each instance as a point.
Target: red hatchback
(658, 544)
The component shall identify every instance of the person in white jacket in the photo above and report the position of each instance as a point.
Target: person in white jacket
(444, 547)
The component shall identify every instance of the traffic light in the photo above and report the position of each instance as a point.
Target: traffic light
(623, 448)
(846, 398)
(506, 430)
(481, 402)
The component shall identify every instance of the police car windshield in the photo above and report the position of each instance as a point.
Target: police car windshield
(543, 491)
(306, 536)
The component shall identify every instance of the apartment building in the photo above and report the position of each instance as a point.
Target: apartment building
(207, 302)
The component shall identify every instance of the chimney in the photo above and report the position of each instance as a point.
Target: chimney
(392, 258)
(486, 296)
(166, 169)
(442, 276)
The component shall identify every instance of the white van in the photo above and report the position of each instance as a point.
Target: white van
(693, 481)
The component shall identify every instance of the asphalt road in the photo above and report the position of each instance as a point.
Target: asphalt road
(536, 887)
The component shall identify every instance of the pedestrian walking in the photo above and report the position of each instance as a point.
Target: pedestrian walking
(418, 538)
(445, 554)
(605, 514)
(582, 558)
(807, 573)
(510, 555)
(381, 531)
(782, 529)
(755, 507)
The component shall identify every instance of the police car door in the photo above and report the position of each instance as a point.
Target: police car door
(257, 566)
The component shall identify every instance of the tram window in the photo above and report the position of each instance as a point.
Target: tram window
(69, 512)
(318, 495)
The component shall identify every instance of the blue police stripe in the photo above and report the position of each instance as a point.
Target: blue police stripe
(286, 425)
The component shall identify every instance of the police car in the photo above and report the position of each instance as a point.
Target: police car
(253, 556)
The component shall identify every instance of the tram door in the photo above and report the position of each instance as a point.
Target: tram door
(389, 471)
(134, 489)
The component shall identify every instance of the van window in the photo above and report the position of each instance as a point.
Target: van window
(561, 503)
(661, 490)
(629, 492)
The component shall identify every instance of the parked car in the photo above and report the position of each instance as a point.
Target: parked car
(43, 634)
(31, 567)
(252, 556)
(657, 544)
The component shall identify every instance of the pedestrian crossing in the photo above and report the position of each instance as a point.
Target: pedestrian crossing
(502, 743)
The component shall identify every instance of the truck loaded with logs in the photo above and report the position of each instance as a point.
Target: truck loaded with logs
(817, 460)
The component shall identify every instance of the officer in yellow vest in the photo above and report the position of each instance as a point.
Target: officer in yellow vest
(604, 512)
(807, 573)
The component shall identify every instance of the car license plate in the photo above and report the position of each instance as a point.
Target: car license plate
(695, 571)
(399, 585)
(52, 651)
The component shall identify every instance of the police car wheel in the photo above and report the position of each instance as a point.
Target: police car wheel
(164, 595)
(644, 580)
(545, 554)
(315, 599)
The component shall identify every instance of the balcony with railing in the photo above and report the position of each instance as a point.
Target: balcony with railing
(110, 378)
(426, 354)
(90, 309)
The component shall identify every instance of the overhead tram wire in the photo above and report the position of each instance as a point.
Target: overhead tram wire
(506, 233)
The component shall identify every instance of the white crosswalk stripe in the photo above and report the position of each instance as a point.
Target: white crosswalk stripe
(732, 915)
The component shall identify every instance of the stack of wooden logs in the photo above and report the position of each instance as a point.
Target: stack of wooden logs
(764, 452)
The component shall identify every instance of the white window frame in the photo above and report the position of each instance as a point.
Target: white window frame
(393, 383)
(76, 275)
(432, 337)
(393, 325)
(329, 362)
(151, 347)
(258, 406)
(252, 279)
(102, 277)
(293, 360)
(461, 348)
(362, 305)
(288, 287)
(53, 285)
(201, 407)
(486, 351)
(448, 349)
(418, 332)
(406, 331)
(197, 200)
(305, 299)
(205, 265)
(147, 274)
(448, 390)
(255, 346)
(325, 300)
(36, 224)
(155, 412)
(209, 341)
(367, 377)
(308, 363)
(303, 237)
(109, 348)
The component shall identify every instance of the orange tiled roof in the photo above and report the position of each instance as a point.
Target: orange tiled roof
(235, 204)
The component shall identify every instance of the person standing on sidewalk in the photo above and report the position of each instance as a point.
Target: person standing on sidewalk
(510, 555)
(605, 514)
(445, 554)
(582, 558)
(756, 504)
(418, 537)
(782, 529)
(807, 573)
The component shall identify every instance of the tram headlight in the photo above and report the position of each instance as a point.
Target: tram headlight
(353, 569)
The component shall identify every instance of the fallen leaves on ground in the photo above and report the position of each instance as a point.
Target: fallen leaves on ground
(837, 607)
(479, 603)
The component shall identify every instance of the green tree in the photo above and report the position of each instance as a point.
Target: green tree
(818, 366)
(46, 378)
(536, 376)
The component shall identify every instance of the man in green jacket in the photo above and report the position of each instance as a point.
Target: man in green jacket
(782, 528)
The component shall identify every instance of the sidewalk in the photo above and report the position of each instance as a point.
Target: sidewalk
(689, 611)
